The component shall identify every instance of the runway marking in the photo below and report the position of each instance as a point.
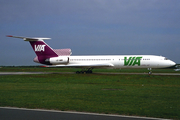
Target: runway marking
(83, 113)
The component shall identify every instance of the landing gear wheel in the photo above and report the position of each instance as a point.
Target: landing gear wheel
(150, 72)
(89, 71)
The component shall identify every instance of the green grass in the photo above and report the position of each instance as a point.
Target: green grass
(139, 95)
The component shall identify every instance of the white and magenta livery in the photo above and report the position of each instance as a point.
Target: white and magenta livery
(62, 58)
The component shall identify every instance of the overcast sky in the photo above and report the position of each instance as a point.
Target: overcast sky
(90, 27)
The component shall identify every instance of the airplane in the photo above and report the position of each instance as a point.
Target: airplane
(62, 58)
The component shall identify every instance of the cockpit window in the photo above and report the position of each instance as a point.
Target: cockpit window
(165, 58)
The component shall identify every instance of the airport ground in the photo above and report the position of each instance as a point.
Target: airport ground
(123, 94)
(43, 69)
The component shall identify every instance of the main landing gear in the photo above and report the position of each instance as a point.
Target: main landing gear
(84, 71)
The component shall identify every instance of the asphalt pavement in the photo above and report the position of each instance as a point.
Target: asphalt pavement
(9, 113)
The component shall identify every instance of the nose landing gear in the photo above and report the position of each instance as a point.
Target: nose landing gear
(150, 71)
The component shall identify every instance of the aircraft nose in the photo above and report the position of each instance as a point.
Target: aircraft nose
(172, 63)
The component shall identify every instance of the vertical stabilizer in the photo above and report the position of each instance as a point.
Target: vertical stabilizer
(42, 50)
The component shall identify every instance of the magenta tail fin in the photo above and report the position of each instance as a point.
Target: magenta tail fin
(42, 50)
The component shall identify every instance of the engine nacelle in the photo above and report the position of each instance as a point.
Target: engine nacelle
(58, 60)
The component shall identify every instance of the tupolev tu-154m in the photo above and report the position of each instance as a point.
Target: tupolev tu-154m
(62, 58)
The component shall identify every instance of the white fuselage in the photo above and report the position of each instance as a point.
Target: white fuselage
(115, 61)
(61, 58)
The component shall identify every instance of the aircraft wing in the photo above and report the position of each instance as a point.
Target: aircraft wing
(98, 65)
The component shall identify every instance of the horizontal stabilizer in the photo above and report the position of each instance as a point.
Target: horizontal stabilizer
(28, 38)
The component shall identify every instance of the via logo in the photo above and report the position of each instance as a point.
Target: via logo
(39, 48)
(131, 61)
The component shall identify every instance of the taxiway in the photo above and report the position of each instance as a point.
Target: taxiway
(24, 73)
(11, 113)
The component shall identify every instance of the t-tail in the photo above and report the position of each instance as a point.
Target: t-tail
(42, 50)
